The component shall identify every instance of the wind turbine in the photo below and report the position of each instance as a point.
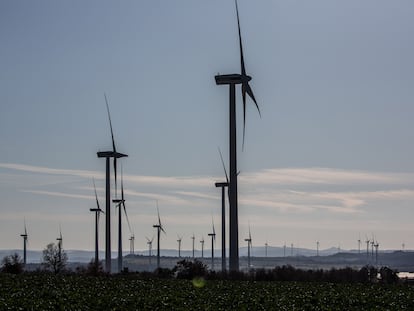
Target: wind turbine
(120, 204)
(232, 80)
(193, 238)
(60, 243)
(249, 245)
(108, 155)
(376, 245)
(24, 236)
(202, 247)
(367, 242)
(359, 246)
(179, 245)
(266, 245)
(132, 244)
(223, 185)
(317, 248)
(159, 229)
(403, 246)
(97, 212)
(213, 239)
(149, 242)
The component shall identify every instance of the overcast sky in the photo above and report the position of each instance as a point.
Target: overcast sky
(331, 158)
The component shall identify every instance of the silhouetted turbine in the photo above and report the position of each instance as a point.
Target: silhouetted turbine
(266, 245)
(149, 242)
(249, 245)
(223, 185)
(24, 236)
(193, 238)
(107, 155)
(202, 248)
(97, 212)
(213, 239)
(159, 229)
(60, 243)
(120, 203)
(179, 246)
(232, 80)
(132, 244)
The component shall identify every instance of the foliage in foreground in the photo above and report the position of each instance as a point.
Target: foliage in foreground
(12, 264)
(126, 292)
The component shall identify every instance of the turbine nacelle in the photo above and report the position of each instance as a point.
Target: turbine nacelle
(221, 184)
(111, 154)
(234, 78)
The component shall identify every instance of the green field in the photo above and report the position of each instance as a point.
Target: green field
(75, 292)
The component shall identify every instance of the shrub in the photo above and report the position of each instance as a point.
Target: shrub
(12, 264)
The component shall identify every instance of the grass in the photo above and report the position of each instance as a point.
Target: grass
(76, 292)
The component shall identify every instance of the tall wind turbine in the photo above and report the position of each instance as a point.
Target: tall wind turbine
(97, 212)
(359, 246)
(266, 245)
(149, 242)
(159, 229)
(24, 236)
(367, 242)
(179, 245)
(317, 248)
(202, 247)
(193, 238)
(60, 244)
(376, 245)
(232, 80)
(249, 245)
(132, 244)
(213, 239)
(120, 204)
(108, 155)
(223, 185)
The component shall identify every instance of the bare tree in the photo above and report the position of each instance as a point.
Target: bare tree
(54, 258)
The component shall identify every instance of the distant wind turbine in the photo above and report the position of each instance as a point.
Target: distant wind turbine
(367, 242)
(193, 238)
(213, 239)
(60, 244)
(132, 244)
(149, 242)
(97, 212)
(223, 185)
(249, 246)
(266, 245)
(159, 229)
(232, 80)
(202, 247)
(359, 246)
(317, 248)
(120, 204)
(108, 155)
(24, 236)
(179, 245)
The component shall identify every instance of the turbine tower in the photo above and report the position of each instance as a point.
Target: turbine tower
(223, 185)
(359, 246)
(24, 236)
(249, 245)
(193, 238)
(213, 239)
(179, 246)
(108, 155)
(159, 229)
(232, 80)
(367, 242)
(120, 204)
(97, 212)
(376, 245)
(266, 245)
(132, 244)
(60, 243)
(317, 248)
(149, 242)
(202, 247)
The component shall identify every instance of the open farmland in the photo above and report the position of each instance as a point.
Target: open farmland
(74, 292)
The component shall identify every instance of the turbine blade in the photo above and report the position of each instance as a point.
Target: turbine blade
(110, 124)
(244, 111)
(126, 216)
(96, 195)
(243, 69)
(224, 167)
(251, 95)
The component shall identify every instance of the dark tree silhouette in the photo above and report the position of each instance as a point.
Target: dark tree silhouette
(54, 258)
(12, 264)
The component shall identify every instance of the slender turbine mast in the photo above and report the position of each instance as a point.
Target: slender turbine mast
(120, 204)
(179, 246)
(249, 245)
(97, 212)
(132, 244)
(317, 248)
(24, 236)
(202, 247)
(193, 238)
(213, 239)
(232, 80)
(60, 242)
(108, 155)
(149, 242)
(266, 245)
(223, 185)
(159, 229)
